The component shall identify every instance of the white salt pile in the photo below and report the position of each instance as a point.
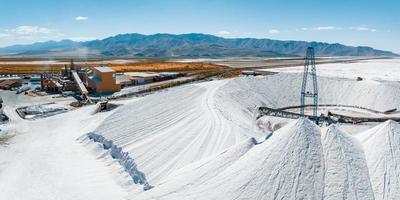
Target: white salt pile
(382, 150)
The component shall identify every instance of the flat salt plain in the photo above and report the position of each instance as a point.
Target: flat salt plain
(379, 69)
(200, 141)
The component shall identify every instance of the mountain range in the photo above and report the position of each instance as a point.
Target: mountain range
(186, 46)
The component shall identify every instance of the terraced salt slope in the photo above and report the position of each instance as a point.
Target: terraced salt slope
(382, 150)
(168, 130)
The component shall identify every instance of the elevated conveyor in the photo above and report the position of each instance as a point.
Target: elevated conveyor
(81, 86)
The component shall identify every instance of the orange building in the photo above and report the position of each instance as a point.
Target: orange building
(103, 80)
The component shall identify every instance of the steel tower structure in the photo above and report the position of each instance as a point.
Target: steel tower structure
(306, 92)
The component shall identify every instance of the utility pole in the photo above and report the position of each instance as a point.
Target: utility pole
(306, 92)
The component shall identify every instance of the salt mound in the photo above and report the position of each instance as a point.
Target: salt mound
(382, 151)
(281, 90)
(168, 130)
(346, 171)
(206, 168)
(287, 166)
(209, 167)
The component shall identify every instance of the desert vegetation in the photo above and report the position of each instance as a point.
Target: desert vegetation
(36, 67)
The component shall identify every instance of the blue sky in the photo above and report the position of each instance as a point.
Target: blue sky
(356, 22)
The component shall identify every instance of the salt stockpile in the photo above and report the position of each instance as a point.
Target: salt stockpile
(382, 151)
(169, 131)
(281, 90)
(166, 131)
(205, 169)
(346, 171)
(297, 162)
(289, 165)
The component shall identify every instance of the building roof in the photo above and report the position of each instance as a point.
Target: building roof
(123, 78)
(8, 83)
(104, 69)
(10, 78)
(168, 73)
(141, 74)
(35, 78)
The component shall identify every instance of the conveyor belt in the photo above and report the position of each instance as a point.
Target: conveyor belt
(330, 119)
(81, 86)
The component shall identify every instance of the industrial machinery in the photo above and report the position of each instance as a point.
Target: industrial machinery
(311, 91)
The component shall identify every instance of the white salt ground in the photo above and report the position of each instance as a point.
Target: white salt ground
(44, 161)
(378, 69)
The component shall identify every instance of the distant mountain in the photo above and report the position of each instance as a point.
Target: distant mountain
(41, 46)
(188, 45)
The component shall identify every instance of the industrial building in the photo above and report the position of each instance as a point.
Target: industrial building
(124, 80)
(52, 86)
(139, 78)
(84, 82)
(103, 80)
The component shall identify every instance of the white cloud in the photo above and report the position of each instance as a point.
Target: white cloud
(27, 30)
(319, 28)
(273, 31)
(324, 28)
(2, 35)
(81, 18)
(362, 28)
(25, 37)
(81, 38)
(224, 33)
(28, 34)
